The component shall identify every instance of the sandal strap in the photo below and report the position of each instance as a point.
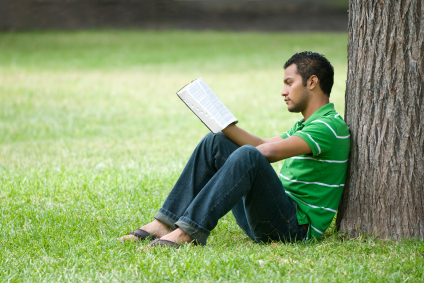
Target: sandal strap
(142, 234)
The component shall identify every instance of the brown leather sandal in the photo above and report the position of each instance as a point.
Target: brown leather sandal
(142, 234)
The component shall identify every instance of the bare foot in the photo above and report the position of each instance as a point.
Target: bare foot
(178, 236)
(157, 228)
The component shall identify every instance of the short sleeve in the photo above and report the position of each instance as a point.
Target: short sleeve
(284, 135)
(318, 136)
(290, 132)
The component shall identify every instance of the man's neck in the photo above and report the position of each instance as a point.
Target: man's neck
(314, 105)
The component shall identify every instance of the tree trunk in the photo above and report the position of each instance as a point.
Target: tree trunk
(384, 190)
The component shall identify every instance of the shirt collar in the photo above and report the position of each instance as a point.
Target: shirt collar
(320, 112)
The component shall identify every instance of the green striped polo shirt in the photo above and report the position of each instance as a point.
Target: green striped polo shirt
(315, 181)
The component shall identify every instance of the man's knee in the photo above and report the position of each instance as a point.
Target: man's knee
(217, 138)
(221, 138)
(249, 149)
(209, 136)
(247, 152)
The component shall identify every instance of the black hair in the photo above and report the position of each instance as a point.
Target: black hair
(310, 63)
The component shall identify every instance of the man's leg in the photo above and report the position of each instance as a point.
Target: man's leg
(209, 155)
(262, 225)
(246, 177)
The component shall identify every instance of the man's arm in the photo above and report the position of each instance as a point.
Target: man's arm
(240, 137)
(284, 148)
(274, 149)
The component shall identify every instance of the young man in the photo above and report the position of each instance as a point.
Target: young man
(231, 171)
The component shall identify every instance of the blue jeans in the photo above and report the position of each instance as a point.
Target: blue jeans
(221, 176)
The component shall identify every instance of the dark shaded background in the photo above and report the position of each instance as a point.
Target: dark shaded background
(300, 15)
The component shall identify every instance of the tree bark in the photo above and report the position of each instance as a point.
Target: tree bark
(384, 190)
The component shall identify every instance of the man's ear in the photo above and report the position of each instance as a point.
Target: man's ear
(312, 82)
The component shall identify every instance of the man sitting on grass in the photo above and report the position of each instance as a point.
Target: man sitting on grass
(232, 171)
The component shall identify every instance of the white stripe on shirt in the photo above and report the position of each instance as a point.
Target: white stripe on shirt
(319, 149)
(317, 230)
(339, 137)
(310, 205)
(312, 183)
(321, 160)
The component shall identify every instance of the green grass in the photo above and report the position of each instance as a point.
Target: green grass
(92, 138)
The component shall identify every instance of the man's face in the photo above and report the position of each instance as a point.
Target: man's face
(295, 94)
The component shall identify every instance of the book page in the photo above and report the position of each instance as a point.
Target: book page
(208, 99)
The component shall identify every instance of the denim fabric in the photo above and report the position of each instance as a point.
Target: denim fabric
(219, 177)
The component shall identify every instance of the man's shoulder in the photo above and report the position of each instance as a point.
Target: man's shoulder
(333, 121)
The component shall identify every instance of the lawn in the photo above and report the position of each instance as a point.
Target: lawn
(93, 137)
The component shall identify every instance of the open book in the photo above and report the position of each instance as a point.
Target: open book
(200, 98)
